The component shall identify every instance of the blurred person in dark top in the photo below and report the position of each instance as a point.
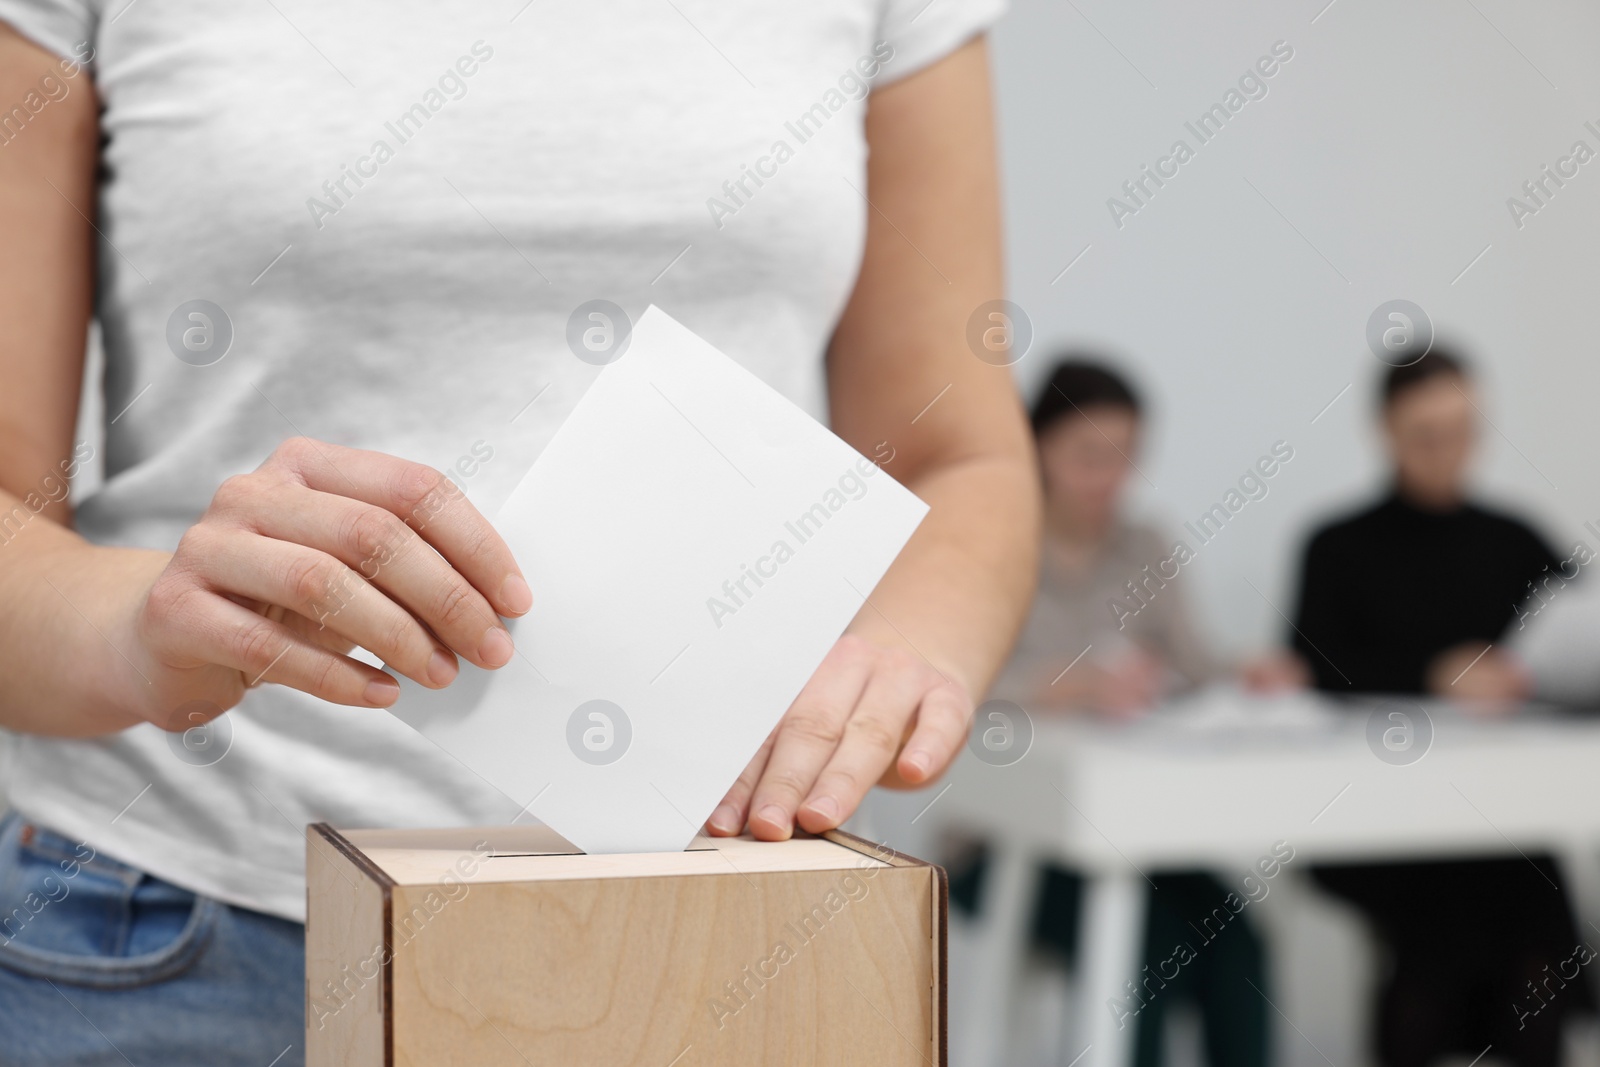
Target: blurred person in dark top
(1412, 595)
(1405, 595)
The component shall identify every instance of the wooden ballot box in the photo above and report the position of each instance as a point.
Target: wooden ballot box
(505, 946)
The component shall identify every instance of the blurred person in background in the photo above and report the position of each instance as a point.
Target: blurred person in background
(1406, 595)
(1412, 595)
(1076, 654)
(1087, 422)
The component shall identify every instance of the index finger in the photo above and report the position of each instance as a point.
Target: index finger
(429, 502)
(807, 737)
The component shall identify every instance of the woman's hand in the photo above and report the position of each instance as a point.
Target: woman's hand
(321, 549)
(842, 735)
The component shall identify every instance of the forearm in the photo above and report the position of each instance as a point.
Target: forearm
(902, 376)
(65, 626)
(959, 592)
(55, 588)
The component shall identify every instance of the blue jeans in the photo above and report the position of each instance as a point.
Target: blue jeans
(101, 963)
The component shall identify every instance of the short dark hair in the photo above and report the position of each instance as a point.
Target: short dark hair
(1076, 383)
(1435, 364)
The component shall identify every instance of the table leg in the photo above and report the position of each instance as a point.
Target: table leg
(1006, 906)
(1112, 936)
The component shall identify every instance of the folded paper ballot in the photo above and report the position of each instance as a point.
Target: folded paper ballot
(695, 544)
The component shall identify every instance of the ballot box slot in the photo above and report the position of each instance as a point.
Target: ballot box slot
(529, 855)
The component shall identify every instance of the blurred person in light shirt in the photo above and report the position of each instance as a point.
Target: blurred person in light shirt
(1077, 649)
(1080, 653)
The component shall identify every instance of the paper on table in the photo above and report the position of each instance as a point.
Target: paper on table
(695, 544)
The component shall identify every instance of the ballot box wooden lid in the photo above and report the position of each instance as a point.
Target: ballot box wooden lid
(536, 853)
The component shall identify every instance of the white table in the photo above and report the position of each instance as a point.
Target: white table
(1213, 784)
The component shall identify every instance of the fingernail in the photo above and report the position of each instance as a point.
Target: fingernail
(726, 819)
(776, 816)
(515, 595)
(495, 649)
(382, 692)
(442, 668)
(917, 761)
(826, 807)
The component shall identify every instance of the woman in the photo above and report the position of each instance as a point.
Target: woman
(334, 251)
(1083, 647)
(1084, 650)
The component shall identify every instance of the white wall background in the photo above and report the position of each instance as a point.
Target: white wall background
(1377, 167)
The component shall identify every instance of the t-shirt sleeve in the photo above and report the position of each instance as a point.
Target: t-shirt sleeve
(65, 27)
(922, 32)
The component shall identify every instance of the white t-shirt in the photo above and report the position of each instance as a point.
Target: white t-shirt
(398, 206)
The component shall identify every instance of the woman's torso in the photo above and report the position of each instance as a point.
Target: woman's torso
(511, 162)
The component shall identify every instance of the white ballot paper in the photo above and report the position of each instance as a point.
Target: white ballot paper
(695, 544)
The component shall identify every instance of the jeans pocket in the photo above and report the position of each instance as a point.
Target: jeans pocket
(70, 915)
